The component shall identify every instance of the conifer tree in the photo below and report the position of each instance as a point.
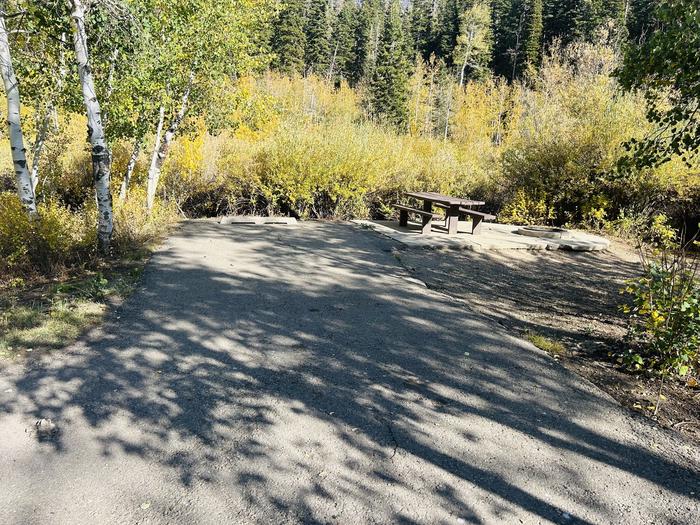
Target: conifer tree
(318, 51)
(421, 27)
(367, 39)
(343, 41)
(447, 28)
(388, 88)
(533, 41)
(289, 40)
(505, 23)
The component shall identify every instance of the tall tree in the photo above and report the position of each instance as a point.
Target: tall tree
(533, 40)
(421, 27)
(388, 88)
(318, 48)
(101, 162)
(474, 43)
(289, 39)
(25, 188)
(368, 35)
(343, 40)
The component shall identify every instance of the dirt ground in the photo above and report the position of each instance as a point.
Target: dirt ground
(571, 298)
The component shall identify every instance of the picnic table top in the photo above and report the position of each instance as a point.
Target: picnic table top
(444, 199)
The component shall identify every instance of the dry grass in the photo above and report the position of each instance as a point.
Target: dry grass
(38, 317)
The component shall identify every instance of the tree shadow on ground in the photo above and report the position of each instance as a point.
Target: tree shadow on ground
(300, 369)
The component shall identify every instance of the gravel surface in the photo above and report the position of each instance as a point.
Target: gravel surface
(298, 374)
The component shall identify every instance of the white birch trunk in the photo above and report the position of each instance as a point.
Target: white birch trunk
(100, 150)
(130, 169)
(153, 169)
(25, 189)
(39, 145)
(160, 151)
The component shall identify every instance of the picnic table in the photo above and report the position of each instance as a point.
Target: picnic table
(455, 207)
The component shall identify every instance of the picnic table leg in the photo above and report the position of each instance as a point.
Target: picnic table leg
(452, 219)
(476, 225)
(427, 221)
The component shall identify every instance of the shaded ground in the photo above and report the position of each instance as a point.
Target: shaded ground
(298, 375)
(568, 297)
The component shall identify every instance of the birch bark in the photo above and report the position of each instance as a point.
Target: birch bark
(152, 170)
(160, 150)
(100, 150)
(25, 189)
(39, 145)
(130, 169)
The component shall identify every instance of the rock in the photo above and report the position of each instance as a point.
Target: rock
(45, 428)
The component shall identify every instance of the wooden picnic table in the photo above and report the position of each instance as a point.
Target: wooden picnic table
(452, 206)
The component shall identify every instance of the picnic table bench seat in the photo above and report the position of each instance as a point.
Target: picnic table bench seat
(426, 216)
(477, 218)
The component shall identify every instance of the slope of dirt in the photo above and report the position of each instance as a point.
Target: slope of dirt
(569, 297)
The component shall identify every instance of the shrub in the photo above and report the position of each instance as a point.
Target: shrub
(664, 328)
(134, 227)
(62, 237)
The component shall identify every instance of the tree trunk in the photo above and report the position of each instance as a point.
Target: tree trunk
(130, 169)
(42, 132)
(160, 150)
(100, 150)
(153, 170)
(25, 188)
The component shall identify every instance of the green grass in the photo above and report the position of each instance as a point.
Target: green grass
(545, 343)
(52, 315)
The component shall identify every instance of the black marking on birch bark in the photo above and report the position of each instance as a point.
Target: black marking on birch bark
(21, 163)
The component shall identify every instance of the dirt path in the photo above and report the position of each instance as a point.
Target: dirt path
(569, 297)
(299, 375)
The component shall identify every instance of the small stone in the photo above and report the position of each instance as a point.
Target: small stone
(45, 428)
(146, 505)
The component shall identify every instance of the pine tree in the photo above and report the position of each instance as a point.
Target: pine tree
(317, 53)
(533, 41)
(343, 40)
(504, 22)
(288, 41)
(388, 88)
(447, 28)
(367, 39)
(421, 27)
